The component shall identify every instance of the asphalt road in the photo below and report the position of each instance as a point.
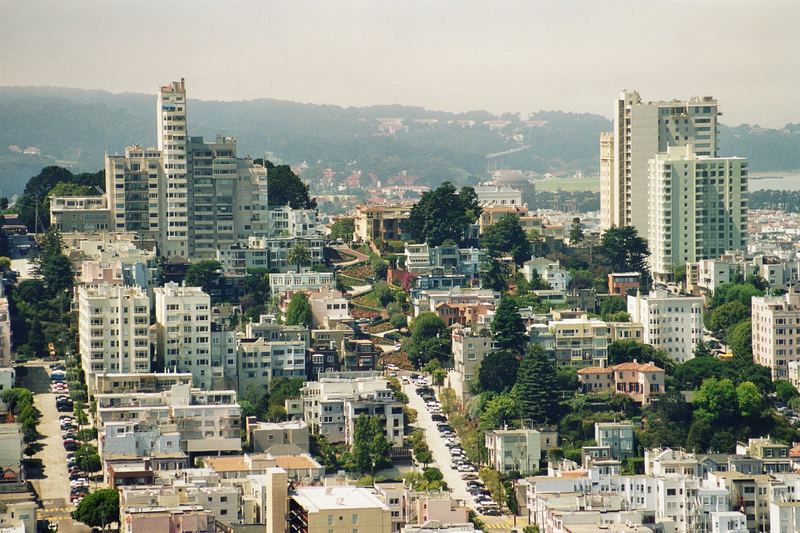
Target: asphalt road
(441, 453)
(51, 480)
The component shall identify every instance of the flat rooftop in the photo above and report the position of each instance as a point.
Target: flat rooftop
(316, 499)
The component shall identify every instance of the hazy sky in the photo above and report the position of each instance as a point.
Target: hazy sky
(450, 55)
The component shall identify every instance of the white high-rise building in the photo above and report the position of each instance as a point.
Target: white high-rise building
(642, 129)
(672, 323)
(183, 324)
(775, 327)
(697, 208)
(171, 124)
(113, 328)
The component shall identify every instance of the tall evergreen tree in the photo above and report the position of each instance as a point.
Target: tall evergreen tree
(370, 447)
(443, 214)
(508, 328)
(506, 236)
(536, 388)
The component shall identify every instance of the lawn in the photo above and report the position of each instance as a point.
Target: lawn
(591, 184)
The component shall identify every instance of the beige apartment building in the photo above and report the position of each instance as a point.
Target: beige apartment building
(337, 510)
(775, 328)
(469, 347)
(70, 214)
(642, 129)
(380, 222)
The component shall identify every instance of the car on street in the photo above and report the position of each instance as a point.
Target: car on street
(489, 511)
(469, 477)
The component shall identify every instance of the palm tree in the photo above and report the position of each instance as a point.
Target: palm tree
(299, 255)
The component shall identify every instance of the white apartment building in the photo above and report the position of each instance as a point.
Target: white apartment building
(423, 259)
(518, 450)
(775, 327)
(113, 330)
(708, 275)
(329, 309)
(332, 404)
(260, 360)
(284, 221)
(428, 300)
(550, 271)
(5, 330)
(299, 281)
(697, 207)
(469, 348)
(172, 140)
(493, 195)
(267, 252)
(642, 129)
(201, 421)
(183, 326)
(80, 213)
(672, 322)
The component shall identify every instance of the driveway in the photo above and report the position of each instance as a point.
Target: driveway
(441, 453)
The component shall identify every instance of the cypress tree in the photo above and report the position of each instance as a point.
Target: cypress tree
(537, 386)
(508, 328)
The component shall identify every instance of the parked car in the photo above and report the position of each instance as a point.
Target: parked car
(489, 511)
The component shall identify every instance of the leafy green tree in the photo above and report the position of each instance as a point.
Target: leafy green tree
(203, 274)
(625, 251)
(537, 387)
(38, 189)
(721, 319)
(625, 351)
(506, 236)
(398, 320)
(717, 400)
(282, 389)
(786, 391)
(500, 410)
(430, 339)
(701, 350)
(741, 292)
(90, 463)
(576, 230)
(443, 214)
(508, 328)
(286, 188)
(494, 275)
(98, 509)
(751, 402)
(611, 305)
(343, 229)
(740, 339)
(370, 447)
(36, 340)
(383, 293)
(427, 325)
(439, 375)
(699, 437)
(498, 371)
(257, 399)
(298, 312)
(299, 255)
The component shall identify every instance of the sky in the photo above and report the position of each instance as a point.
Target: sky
(498, 55)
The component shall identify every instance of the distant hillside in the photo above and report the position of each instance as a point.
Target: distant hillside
(75, 127)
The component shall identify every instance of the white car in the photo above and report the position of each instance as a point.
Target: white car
(466, 468)
(392, 367)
